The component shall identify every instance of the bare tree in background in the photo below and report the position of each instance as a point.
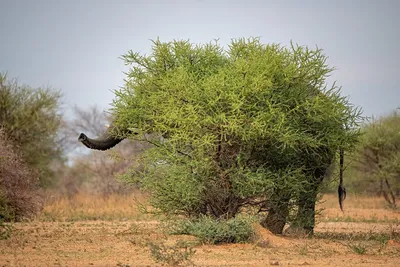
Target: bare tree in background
(379, 157)
(95, 172)
(92, 120)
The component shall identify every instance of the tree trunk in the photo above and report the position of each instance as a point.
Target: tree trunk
(306, 214)
(277, 214)
(305, 218)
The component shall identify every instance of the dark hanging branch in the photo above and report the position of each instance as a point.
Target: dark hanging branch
(341, 188)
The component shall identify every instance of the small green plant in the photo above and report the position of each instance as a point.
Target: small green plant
(382, 242)
(358, 247)
(212, 231)
(173, 255)
(134, 229)
(303, 249)
(5, 230)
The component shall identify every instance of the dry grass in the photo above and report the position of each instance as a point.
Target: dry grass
(354, 201)
(88, 230)
(357, 209)
(124, 207)
(84, 207)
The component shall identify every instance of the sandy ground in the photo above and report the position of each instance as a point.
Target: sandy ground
(126, 243)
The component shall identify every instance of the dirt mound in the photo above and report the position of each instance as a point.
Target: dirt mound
(265, 238)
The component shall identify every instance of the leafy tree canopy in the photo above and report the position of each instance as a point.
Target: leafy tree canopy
(231, 125)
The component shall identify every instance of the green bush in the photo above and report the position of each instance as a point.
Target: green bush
(30, 118)
(247, 125)
(209, 230)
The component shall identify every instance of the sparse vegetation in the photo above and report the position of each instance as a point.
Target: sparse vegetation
(303, 249)
(173, 255)
(358, 247)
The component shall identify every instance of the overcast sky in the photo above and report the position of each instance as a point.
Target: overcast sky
(75, 46)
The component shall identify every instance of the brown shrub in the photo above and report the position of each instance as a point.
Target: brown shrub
(20, 194)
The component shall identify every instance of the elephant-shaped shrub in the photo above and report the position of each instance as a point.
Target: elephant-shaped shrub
(253, 125)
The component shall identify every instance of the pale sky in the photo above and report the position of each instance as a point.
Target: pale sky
(75, 46)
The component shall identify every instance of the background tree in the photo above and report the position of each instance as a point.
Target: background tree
(376, 166)
(30, 118)
(252, 125)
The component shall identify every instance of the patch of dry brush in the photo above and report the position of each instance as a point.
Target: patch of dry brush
(20, 194)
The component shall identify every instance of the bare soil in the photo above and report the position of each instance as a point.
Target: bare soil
(362, 236)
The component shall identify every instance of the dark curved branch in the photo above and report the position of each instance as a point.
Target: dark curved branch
(102, 143)
(106, 141)
(341, 189)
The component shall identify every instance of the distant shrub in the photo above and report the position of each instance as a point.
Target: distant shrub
(374, 167)
(211, 231)
(20, 194)
(31, 119)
